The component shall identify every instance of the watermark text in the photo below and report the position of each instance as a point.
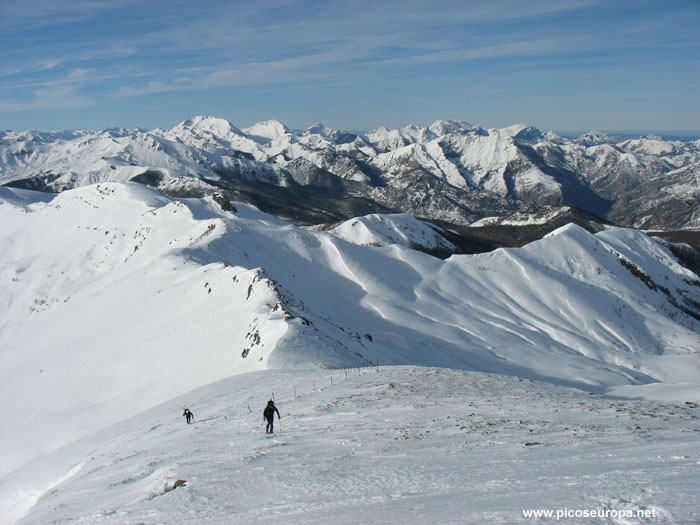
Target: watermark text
(566, 514)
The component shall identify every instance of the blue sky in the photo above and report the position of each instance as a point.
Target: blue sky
(354, 64)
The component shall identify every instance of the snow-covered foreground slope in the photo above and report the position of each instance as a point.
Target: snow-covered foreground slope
(117, 299)
(105, 310)
(393, 445)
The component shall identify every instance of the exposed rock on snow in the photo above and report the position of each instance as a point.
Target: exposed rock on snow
(449, 171)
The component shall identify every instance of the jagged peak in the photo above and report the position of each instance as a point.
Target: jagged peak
(379, 130)
(401, 136)
(446, 127)
(595, 138)
(333, 135)
(523, 132)
(269, 129)
(319, 129)
(412, 128)
(551, 136)
(215, 125)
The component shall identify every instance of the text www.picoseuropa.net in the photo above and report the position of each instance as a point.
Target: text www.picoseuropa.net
(566, 514)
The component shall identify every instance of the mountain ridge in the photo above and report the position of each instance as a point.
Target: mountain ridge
(450, 170)
(119, 300)
(251, 292)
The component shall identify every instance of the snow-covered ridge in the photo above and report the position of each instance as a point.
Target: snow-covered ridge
(155, 296)
(543, 216)
(386, 230)
(119, 250)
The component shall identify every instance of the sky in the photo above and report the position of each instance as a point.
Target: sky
(352, 64)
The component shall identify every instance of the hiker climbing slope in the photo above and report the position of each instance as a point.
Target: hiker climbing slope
(269, 416)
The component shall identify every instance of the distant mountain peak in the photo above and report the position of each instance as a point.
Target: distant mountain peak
(269, 129)
(319, 129)
(523, 132)
(595, 138)
(217, 126)
(446, 127)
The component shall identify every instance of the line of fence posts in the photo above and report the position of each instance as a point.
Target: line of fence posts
(363, 365)
(359, 367)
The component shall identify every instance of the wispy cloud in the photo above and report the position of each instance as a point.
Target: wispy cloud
(77, 60)
(266, 37)
(52, 97)
(25, 15)
(258, 73)
(331, 44)
(86, 52)
(511, 49)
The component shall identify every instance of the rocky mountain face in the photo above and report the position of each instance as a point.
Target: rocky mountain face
(450, 172)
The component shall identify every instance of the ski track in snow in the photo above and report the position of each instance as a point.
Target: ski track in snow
(390, 445)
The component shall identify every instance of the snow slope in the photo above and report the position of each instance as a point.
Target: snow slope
(118, 299)
(103, 290)
(388, 445)
(386, 230)
(542, 216)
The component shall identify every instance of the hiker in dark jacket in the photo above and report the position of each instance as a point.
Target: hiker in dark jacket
(269, 415)
(188, 415)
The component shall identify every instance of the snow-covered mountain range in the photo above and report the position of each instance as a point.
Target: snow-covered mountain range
(118, 300)
(449, 171)
(213, 265)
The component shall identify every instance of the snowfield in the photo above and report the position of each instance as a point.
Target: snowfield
(396, 444)
(564, 374)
